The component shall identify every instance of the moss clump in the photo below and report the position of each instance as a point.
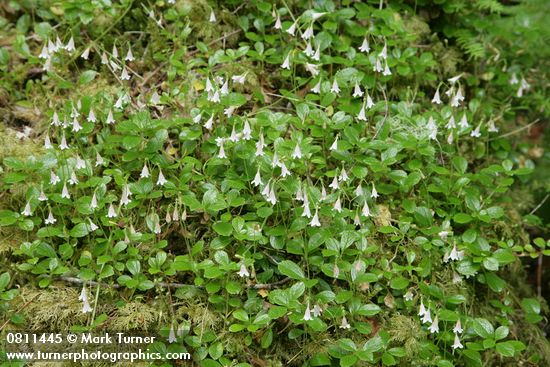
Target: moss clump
(136, 316)
(55, 308)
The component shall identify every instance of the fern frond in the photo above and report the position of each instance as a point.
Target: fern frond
(470, 44)
(492, 6)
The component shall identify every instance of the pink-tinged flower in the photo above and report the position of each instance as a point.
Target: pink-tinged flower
(55, 119)
(47, 142)
(42, 196)
(464, 121)
(247, 131)
(208, 124)
(63, 145)
(224, 90)
(125, 196)
(65, 192)
(145, 171)
(257, 179)
(365, 46)
(286, 62)
(114, 65)
(73, 180)
(361, 115)
(172, 334)
(161, 180)
(54, 179)
(70, 45)
(458, 327)
(357, 92)
(111, 212)
(308, 33)
(272, 198)
(476, 133)
(384, 53)
(344, 324)
(335, 271)
(312, 69)
(308, 50)
(457, 344)
(221, 153)
(422, 309)
(278, 24)
(370, 103)
(307, 313)
(338, 205)
(80, 163)
(93, 202)
(51, 219)
(243, 272)
(427, 318)
(317, 55)
(292, 29)
(491, 127)
(343, 175)
(323, 193)
(457, 98)
(124, 75)
(451, 124)
(456, 255)
(27, 211)
(297, 153)
(129, 55)
(239, 79)
(176, 214)
(214, 97)
(454, 79)
(334, 145)
(335, 88)
(434, 327)
(436, 99)
(408, 296)
(234, 137)
(374, 193)
(315, 220)
(44, 54)
(110, 118)
(387, 70)
(358, 190)
(334, 184)
(366, 210)
(93, 227)
(317, 87)
(307, 210)
(284, 171)
(85, 303)
(317, 311)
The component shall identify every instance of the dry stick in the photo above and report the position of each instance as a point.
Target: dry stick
(539, 205)
(166, 285)
(516, 131)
